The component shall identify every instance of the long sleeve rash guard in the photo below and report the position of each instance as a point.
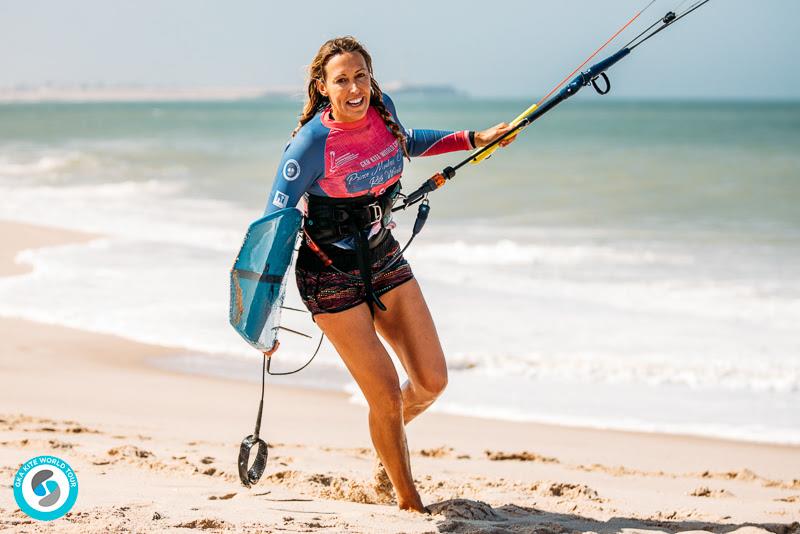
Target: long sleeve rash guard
(349, 159)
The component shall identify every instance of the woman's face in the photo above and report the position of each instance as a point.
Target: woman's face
(347, 86)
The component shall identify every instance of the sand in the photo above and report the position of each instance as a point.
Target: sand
(156, 451)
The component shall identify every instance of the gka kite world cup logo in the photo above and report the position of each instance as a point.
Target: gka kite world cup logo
(45, 488)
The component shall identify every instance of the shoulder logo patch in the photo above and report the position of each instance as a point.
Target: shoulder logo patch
(291, 170)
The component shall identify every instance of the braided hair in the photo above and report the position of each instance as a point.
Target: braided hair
(316, 101)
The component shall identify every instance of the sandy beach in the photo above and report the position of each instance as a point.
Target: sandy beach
(156, 451)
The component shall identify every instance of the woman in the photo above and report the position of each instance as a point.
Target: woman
(346, 156)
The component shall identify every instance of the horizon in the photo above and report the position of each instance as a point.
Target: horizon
(200, 95)
(107, 93)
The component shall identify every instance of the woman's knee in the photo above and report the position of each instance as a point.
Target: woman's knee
(386, 400)
(433, 382)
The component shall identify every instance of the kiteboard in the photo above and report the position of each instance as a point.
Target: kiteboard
(259, 275)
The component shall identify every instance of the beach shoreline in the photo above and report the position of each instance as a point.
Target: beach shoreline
(144, 431)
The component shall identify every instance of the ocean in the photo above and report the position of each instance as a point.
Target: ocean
(625, 265)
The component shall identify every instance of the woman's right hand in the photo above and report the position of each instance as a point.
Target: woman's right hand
(271, 351)
(488, 135)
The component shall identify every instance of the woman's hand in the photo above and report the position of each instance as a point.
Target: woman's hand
(488, 135)
(271, 351)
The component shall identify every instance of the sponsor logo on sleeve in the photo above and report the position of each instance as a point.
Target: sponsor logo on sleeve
(291, 170)
(280, 200)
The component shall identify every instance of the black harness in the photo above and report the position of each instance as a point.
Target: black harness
(333, 219)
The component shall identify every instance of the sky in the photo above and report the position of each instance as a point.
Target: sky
(727, 49)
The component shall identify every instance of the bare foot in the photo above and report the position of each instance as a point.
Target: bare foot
(415, 506)
(384, 491)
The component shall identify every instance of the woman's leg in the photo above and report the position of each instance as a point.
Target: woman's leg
(408, 327)
(353, 335)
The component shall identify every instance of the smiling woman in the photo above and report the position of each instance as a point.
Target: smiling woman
(346, 156)
(349, 90)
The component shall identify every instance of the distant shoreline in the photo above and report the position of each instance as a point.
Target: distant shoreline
(12, 97)
(89, 93)
(53, 94)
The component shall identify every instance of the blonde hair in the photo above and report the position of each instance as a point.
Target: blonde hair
(316, 101)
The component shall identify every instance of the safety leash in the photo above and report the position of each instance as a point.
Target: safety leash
(250, 474)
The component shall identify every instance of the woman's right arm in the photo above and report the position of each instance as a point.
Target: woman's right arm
(302, 163)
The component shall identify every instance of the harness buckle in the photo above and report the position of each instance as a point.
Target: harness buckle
(375, 212)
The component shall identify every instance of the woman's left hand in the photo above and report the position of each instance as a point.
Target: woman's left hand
(488, 135)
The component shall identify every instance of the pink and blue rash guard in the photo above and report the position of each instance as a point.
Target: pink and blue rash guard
(349, 159)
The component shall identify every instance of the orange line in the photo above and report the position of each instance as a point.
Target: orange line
(557, 87)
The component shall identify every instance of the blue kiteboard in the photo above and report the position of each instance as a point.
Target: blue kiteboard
(259, 274)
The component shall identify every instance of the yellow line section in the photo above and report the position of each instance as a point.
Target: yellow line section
(516, 121)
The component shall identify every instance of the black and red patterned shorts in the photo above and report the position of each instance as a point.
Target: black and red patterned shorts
(323, 290)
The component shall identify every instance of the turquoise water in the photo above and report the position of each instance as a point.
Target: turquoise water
(623, 264)
(720, 165)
